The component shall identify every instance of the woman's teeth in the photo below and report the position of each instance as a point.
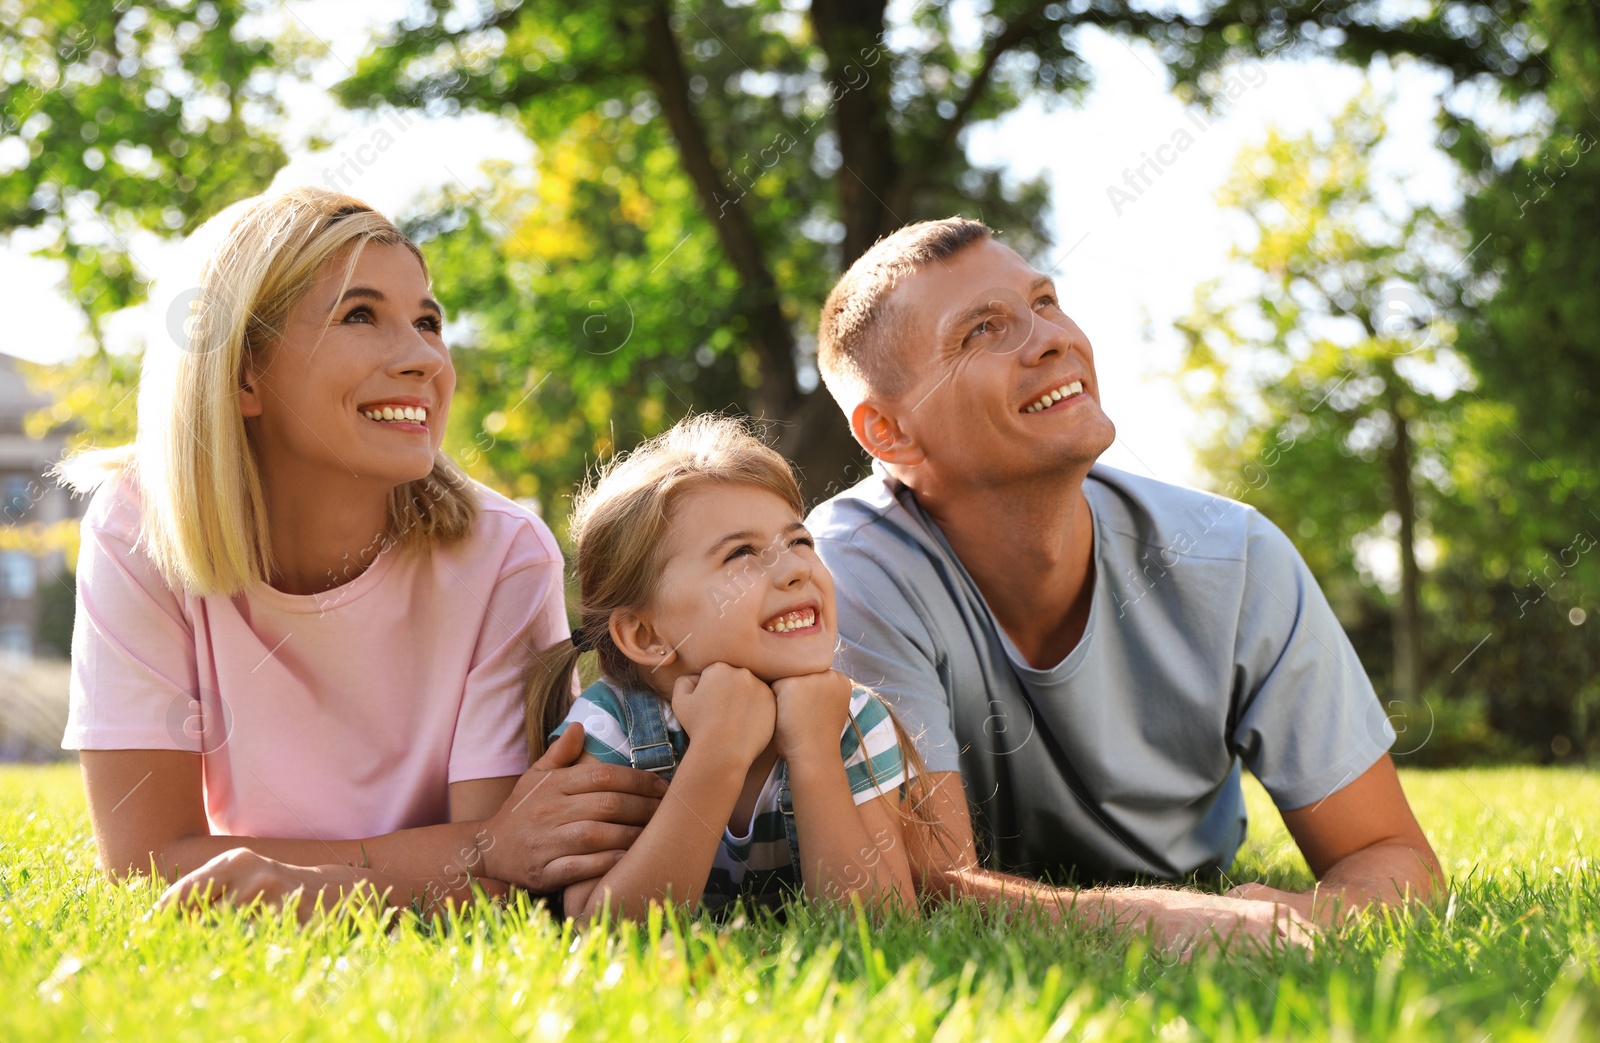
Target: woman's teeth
(1052, 397)
(791, 621)
(414, 414)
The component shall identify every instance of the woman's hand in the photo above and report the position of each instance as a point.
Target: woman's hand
(812, 712)
(242, 876)
(727, 709)
(565, 822)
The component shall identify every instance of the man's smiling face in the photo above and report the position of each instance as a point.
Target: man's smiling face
(1003, 385)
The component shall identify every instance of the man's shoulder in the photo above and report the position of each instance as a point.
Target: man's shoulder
(868, 500)
(876, 523)
(1146, 513)
(870, 519)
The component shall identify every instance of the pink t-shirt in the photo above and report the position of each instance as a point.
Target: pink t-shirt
(338, 715)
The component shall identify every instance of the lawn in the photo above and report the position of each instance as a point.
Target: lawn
(1513, 957)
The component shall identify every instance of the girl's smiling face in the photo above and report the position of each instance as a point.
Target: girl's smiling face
(742, 584)
(359, 384)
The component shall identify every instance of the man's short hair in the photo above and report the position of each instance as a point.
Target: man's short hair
(858, 344)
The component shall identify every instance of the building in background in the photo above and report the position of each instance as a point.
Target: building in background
(36, 589)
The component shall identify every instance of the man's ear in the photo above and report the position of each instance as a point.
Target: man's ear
(882, 435)
(639, 641)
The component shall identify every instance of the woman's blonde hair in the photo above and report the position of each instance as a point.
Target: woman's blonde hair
(204, 515)
(619, 528)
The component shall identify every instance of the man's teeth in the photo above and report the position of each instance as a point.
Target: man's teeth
(1052, 397)
(792, 621)
(415, 414)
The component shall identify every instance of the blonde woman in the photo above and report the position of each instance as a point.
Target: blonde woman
(300, 627)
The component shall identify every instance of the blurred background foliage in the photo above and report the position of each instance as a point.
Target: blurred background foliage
(1380, 382)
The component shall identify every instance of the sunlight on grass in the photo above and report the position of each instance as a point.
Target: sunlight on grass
(1514, 958)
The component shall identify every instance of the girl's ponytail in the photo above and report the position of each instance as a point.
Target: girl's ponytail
(547, 693)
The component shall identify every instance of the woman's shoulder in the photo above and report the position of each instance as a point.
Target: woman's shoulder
(516, 530)
(115, 507)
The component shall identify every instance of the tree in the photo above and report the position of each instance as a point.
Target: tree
(121, 121)
(126, 119)
(1535, 203)
(1532, 205)
(1346, 413)
(704, 171)
(1350, 366)
(709, 169)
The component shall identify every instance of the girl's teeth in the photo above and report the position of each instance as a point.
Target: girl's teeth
(793, 621)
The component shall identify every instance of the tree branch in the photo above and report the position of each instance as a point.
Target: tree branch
(735, 230)
(1006, 40)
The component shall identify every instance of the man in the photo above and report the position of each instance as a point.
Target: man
(1095, 653)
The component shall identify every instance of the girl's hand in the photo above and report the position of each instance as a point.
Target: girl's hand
(812, 712)
(727, 709)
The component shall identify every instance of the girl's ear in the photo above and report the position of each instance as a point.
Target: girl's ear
(639, 641)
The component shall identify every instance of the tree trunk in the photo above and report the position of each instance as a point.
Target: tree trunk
(848, 32)
(806, 428)
(1407, 620)
(772, 332)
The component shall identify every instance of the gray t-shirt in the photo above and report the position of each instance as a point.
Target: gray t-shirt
(1208, 644)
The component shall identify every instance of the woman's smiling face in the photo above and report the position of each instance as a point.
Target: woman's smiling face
(360, 383)
(742, 585)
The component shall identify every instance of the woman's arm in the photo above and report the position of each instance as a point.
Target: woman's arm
(561, 825)
(242, 877)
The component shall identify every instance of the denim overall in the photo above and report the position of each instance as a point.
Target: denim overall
(646, 726)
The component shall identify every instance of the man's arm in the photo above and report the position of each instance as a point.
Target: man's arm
(1365, 847)
(946, 866)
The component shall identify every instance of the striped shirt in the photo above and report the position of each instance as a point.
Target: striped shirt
(756, 864)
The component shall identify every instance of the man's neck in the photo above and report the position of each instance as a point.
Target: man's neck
(1030, 549)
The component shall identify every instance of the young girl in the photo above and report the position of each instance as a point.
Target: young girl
(714, 622)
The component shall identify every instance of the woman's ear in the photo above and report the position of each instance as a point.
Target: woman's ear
(639, 641)
(249, 399)
(882, 435)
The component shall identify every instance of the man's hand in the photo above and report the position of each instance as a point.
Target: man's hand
(1365, 847)
(726, 708)
(812, 712)
(1298, 901)
(566, 822)
(1185, 921)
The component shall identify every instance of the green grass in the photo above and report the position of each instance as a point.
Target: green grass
(1514, 958)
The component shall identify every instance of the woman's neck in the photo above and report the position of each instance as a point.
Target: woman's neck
(323, 533)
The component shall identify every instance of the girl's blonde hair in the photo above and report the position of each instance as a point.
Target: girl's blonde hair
(204, 516)
(619, 528)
